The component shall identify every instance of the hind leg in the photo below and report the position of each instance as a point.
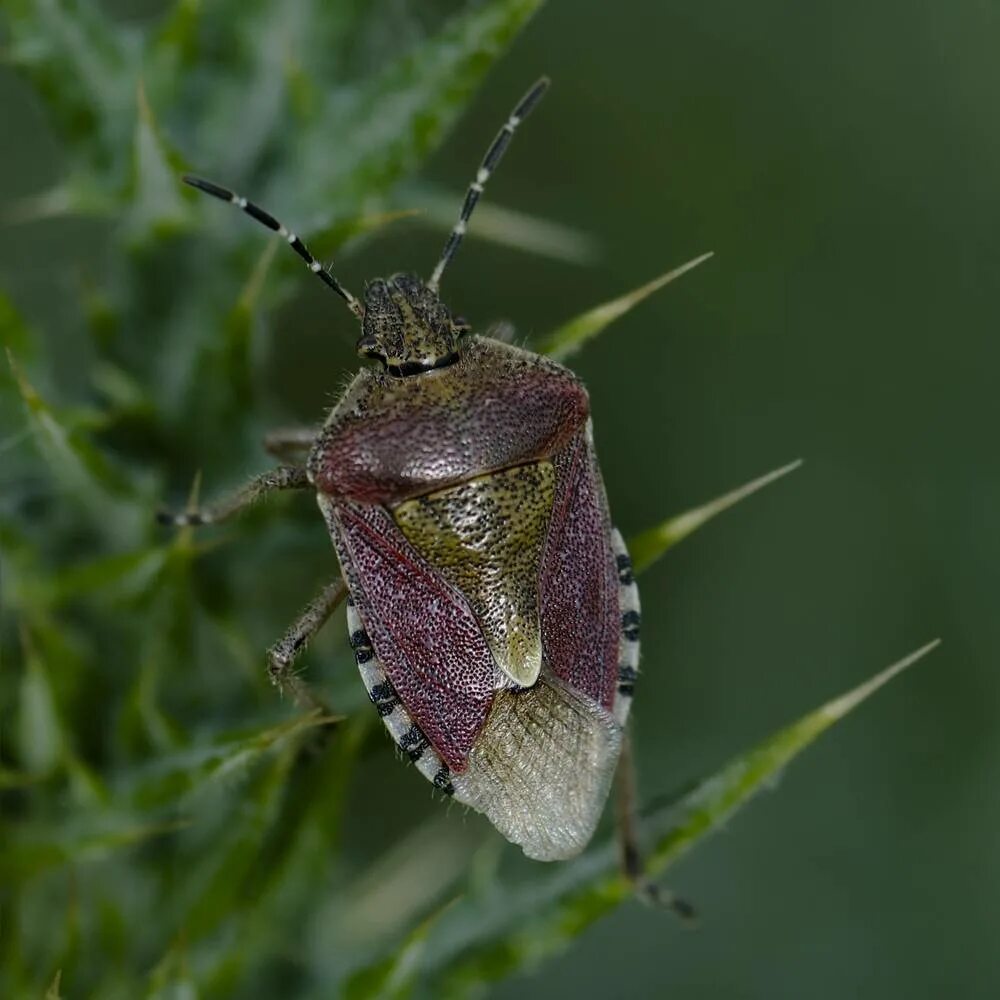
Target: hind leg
(628, 839)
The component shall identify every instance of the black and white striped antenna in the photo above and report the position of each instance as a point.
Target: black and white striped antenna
(490, 161)
(266, 219)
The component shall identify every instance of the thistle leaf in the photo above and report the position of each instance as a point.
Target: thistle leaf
(79, 64)
(399, 117)
(530, 925)
(158, 208)
(207, 770)
(646, 547)
(81, 470)
(52, 993)
(708, 806)
(571, 336)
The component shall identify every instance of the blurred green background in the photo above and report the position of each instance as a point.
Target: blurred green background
(842, 161)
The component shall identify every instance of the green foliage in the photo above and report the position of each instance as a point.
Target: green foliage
(172, 828)
(648, 546)
(571, 336)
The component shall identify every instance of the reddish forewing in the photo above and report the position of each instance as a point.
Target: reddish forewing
(579, 585)
(426, 636)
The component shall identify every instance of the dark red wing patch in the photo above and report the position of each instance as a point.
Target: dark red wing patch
(422, 630)
(579, 586)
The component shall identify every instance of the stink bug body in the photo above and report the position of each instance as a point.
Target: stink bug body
(490, 601)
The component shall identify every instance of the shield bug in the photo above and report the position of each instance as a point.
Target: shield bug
(491, 605)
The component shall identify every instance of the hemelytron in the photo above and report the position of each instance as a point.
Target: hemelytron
(491, 605)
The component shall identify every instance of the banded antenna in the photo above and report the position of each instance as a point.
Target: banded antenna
(489, 164)
(266, 219)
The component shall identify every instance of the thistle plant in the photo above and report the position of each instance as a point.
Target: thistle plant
(172, 827)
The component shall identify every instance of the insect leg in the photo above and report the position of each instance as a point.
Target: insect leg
(284, 477)
(282, 655)
(290, 442)
(628, 839)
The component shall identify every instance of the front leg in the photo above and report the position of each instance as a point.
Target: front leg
(284, 477)
(282, 655)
